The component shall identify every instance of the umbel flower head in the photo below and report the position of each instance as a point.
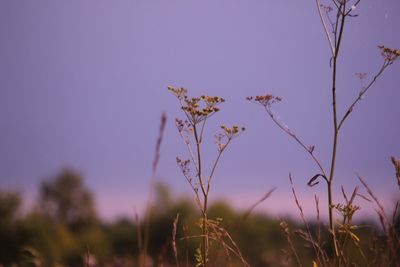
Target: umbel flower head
(197, 109)
(264, 100)
(228, 133)
(389, 54)
(233, 131)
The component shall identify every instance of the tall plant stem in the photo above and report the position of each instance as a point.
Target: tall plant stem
(338, 38)
(333, 159)
(205, 198)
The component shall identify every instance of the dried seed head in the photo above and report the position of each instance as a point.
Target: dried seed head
(180, 93)
(360, 75)
(227, 134)
(264, 100)
(197, 109)
(389, 54)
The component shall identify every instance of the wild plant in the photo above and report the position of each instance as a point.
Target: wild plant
(386, 252)
(333, 19)
(143, 253)
(197, 111)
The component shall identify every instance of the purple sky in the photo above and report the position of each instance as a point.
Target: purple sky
(83, 84)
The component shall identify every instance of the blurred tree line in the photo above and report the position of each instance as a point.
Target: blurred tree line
(64, 230)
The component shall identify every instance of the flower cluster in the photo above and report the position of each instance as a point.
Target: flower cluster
(389, 54)
(197, 109)
(192, 106)
(233, 131)
(346, 227)
(264, 100)
(347, 210)
(222, 139)
(180, 93)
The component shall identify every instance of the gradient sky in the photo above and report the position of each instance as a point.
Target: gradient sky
(83, 85)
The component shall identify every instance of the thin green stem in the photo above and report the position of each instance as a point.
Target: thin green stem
(343, 19)
(199, 172)
(338, 37)
(202, 129)
(215, 165)
(205, 198)
(362, 92)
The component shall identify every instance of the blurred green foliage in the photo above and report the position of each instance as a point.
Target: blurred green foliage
(63, 229)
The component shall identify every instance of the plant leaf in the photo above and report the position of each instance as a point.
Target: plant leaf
(313, 181)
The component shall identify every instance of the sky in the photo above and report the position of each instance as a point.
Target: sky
(83, 85)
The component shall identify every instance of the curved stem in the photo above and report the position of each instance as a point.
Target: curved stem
(283, 128)
(325, 28)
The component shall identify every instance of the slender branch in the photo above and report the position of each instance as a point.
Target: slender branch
(352, 8)
(336, 28)
(325, 28)
(215, 165)
(199, 172)
(189, 148)
(197, 197)
(202, 129)
(362, 92)
(283, 128)
(343, 19)
(336, 4)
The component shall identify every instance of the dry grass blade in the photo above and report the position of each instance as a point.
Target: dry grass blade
(218, 235)
(286, 231)
(158, 142)
(174, 228)
(318, 219)
(317, 250)
(388, 227)
(252, 207)
(395, 212)
(373, 196)
(396, 164)
(152, 178)
(139, 232)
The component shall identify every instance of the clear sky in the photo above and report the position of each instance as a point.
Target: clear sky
(83, 85)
